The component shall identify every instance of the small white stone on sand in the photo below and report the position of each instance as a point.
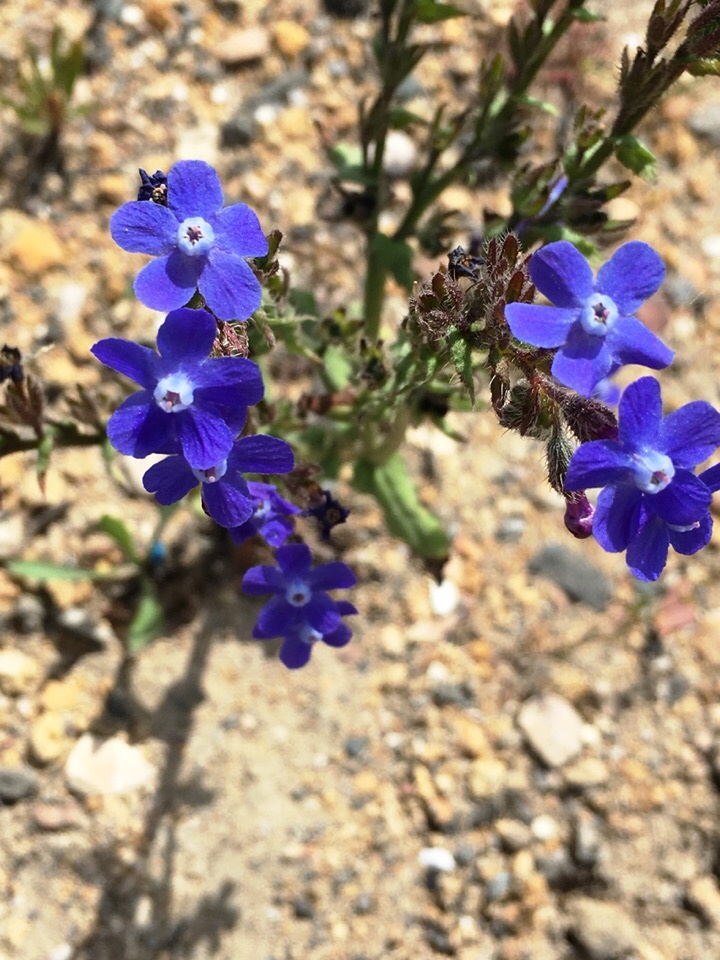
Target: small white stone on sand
(436, 858)
(104, 767)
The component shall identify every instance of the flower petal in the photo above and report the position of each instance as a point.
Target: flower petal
(231, 289)
(582, 362)
(631, 275)
(539, 325)
(186, 336)
(227, 503)
(689, 542)
(260, 454)
(143, 227)
(237, 230)
(240, 534)
(230, 381)
(294, 652)
(640, 414)
(597, 463)
(170, 480)
(711, 478)
(205, 438)
(263, 579)
(321, 613)
(332, 576)
(138, 427)
(631, 342)
(647, 553)
(562, 274)
(294, 559)
(617, 516)
(138, 363)
(277, 619)
(167, 283)
(685, 500)
(339, 637)
(691, 434)
(194, 190)
(276, 531)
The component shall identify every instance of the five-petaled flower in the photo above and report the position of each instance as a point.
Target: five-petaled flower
(190, 403)
(270, 517)
(591, 320)
(198, 243)
(300, 610)
(225, 491)
(651, 497)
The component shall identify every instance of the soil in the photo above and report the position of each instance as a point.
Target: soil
(397, 798)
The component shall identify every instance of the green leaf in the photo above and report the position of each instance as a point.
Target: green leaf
(42, 571)
(633, 154)
(396, 257)
(115, 528)
(405, 516)
(337, 367)
(462, 358)
(147, 622)
(704, 67)
(304, 302)
(586, 16)
(430, 11)
(401, 119)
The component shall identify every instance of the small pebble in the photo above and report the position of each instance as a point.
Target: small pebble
(437, 858)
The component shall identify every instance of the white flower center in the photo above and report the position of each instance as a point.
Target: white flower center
(195, 237)
(297, 593)
(212, 474)
(174, 393)
(309, 635)
(653, 471)
(262, 509)
(598, 315)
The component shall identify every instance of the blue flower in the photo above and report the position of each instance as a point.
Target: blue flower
(270, 517)
(592, 321)
(190, 403)
(197, 243)
(651, 498)
(301, 611)
(225, 492)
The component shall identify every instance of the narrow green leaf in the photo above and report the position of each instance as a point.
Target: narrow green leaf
(430, 11)
(41, 571)
(401, 119)
(397, 258)
(405, 516)
(115, 528)
(586, 16)
(147, 622)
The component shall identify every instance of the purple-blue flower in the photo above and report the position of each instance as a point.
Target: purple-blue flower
(197, 242)
(651, 498)
(591, 320)
(300, 610)
(270, 517)
(225, 492)
(190, 403)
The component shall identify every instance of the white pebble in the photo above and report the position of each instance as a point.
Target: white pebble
(544, 827)
(444, 598)
(436, 858)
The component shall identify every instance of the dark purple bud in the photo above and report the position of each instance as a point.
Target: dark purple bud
(153, 187)
(579, 513)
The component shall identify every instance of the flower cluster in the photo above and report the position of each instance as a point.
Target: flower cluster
(651, 498)
(192, 406)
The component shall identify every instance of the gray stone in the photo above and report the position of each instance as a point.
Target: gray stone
(580, 580)
(603, 930)
(706, 123)
(17, 783)
(552, 728)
